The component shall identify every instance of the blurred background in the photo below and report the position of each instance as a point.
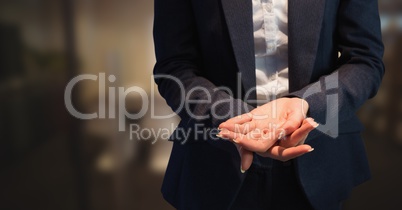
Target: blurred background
(52, 160)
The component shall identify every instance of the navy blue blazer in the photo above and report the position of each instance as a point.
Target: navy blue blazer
(209, 43)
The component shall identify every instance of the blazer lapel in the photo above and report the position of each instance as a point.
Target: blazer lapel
(239, 19)
(304, 25)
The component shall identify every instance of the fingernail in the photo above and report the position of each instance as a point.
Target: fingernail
(218, 135)
(239, 117)
(281, 134)
(235, 141)
(312, 149)
(313, 122)
(241, 170)
(219, 129)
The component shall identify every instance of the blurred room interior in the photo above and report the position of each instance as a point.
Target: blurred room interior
(52, 160)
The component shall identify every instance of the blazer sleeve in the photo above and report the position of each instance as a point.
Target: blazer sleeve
(360, 67)
(193, 97)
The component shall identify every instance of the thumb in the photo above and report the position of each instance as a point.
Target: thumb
(299, 136)
(291, 124)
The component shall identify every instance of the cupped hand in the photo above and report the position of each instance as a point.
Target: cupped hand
(259, 131)
(283, 114)
(269, 122)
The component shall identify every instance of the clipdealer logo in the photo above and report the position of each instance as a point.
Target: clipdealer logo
(187, 99)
